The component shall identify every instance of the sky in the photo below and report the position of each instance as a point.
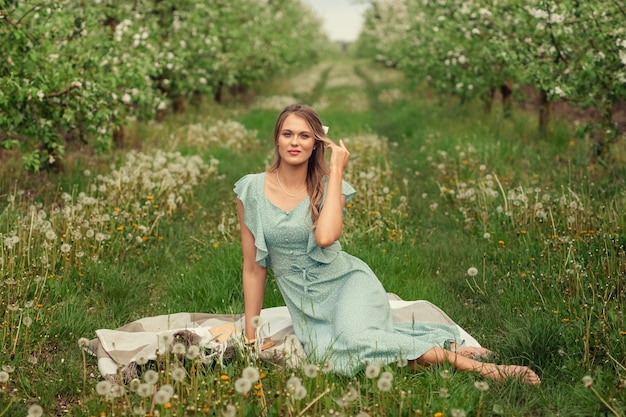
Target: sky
(342, 18)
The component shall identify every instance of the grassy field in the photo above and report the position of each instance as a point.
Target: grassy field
(520, 239)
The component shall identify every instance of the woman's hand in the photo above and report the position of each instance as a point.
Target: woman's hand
(339, 157)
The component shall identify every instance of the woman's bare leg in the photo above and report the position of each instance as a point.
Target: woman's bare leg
(470, 351)
(438, 355)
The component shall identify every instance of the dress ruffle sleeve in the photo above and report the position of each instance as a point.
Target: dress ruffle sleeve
(328, 254)
(247, 190)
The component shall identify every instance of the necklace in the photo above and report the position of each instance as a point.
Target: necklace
(283, 188)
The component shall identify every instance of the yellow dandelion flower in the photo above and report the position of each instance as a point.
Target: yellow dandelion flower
(259, 393)
(523, 275)
(155, 206)
(168, 405)
(523, 232)
(622, 333)
(120, 228)
(216, 245)
(150, 197)
(501, 242)
(565, 320)
(263, 375)
(438, 414)
(135, 226)
(224, 377)
(117, 209)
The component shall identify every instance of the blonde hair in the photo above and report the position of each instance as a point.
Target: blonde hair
(317, 168)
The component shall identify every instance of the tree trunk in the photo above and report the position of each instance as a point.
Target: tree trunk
(506, 90)
(545, 113)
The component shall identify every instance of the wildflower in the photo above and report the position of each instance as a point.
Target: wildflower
(35, 410)
(103, 387)
(457, 412)
(587, 381)
(133, 385)
(229, 411)
(293, 383)
(443, 393)
(27, 321)
(300, 393)
(166, 340)
(402, 362)
(167, 388)
(117, 391)
(65, 248)
(141, 360)
(310, 370)
(351, 395)
(328, 366)
(145, 390)
(161, 397)
(224, 377)
(151, 377)
(50, 235)
(487, 235)
(193, 352)
(372, 370)
(472, 271)
(216, 245)
(4, 377)
(243, 385)
(387, 375)
(445, 374)
(481, 386)
(256, 322)
(179, 374)
(178, 348)
(438, 414)
(251, 374)
(83, 342)
(139, 411)
(384, 384)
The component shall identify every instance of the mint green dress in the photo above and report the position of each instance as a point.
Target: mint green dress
(339, 309)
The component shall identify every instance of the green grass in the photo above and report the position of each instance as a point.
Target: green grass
(549, 292)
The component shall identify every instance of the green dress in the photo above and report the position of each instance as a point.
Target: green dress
(339, 309)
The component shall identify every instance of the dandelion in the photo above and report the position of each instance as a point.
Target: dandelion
(166, 340)
(443, 393)
(83, 342)
(300, 393)
(328, 367)
(179, 374)
(384, 384)
(256, 322)
(35, 410)
(472, 271)
(372, 370)
(351, 395)
(243, 385)
(133, 385)
(8, 368)
(445, 374)
(178, 349)
(161, 397)
(141, 360)
(402, 362)
(251, 374)
(65, 248)
(587, 381)
(229, 411)
(117, 391)
(50, 235)
(103, 387)
(139, 411)
(4, 377)
(145, 390)
(457, 412)
(481, 386)
(193, 352)
(387, 375)
(310, 370)
(27, 321)
(487, 235)
(167, 388)
(151, 377)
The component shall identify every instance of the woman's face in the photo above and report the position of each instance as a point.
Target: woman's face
(296, 140)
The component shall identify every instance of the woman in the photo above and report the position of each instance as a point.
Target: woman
(291, 218)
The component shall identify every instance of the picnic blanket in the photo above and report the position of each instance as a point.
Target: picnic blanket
(118, 351)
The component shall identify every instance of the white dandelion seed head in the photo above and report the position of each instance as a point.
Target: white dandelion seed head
(444, 393)
(66, 248)
(167, 388)
(386, 375)
(402, 362)
(256, 322)
(587, 381)
(103, 387)
(472, 271)
(487, 235)
(145, 390)
(165, 340)
(293, 383)
(300, 393)
(243, 385)
(445, 374)
(151, 376)
(481, 386)
(161, 397)
(179, 374)
(35, 410)
(179, 349)
(117, 391)
(457, 412)
(311, 370)
(8, 368)
(141, 360)
(139, 411)
(229, 411)
(27, 321)
(328, 366)
(251, 374)
(372, 370)
(4, 377)
(384, 385)
(83, 342)
(193, 352)
(133, 385)
(351, 395)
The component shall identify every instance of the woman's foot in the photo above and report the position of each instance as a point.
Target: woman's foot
(470, 352)
(502, 372)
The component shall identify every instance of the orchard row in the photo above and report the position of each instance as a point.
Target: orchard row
(80, 70)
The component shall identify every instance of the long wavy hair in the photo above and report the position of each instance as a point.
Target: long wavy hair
(317, 168)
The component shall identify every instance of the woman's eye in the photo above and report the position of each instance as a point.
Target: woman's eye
(286, 134)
